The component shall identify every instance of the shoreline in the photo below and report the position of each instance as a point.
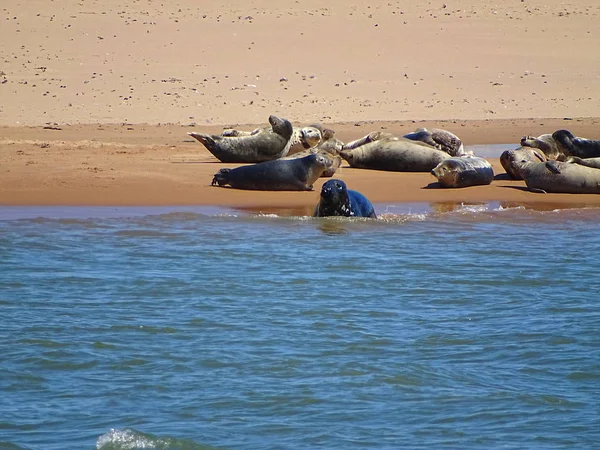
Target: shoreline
(159, 165)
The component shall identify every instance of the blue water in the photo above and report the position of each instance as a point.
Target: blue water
(477, 328)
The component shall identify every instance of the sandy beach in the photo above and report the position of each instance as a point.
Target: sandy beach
(96, 98)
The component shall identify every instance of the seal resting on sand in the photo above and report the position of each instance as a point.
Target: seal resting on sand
(464, 171)
(297, 174)
(546, 143)
(395, 154)
(589, 162)
(441, 139)
(560, 177)
(512, 159)
(263, 145)
(576, 146)
(337, 200)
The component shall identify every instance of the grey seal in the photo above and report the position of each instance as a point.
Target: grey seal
(395, 154)
(336, 160)
(589, 162)
(560, 177)
(263, 145)
(337, 200)
(296, 174)
(511, 160)
(576, 146)
(441, 139)
(546, 143)
(464, 171)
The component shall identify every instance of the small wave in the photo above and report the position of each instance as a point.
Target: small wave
(130, 439)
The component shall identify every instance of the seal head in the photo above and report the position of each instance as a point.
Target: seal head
(337, 200)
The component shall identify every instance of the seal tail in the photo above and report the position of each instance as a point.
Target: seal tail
(221, 177)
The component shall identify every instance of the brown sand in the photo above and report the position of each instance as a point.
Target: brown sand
(108, 74)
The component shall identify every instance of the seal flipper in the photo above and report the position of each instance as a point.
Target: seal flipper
(552, 166)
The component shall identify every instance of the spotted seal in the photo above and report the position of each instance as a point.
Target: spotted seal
(337, 200)
(589, 162)
(576, 146)
(297, 174)
(441, 139)
(395, 154)
(560, 177)
(336, 160)
(262, 145)
(512, 159)
(545, 142)
(463, 171)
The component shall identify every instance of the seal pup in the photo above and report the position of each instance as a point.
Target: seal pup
(296, 174)
(463, 171)
(441, 139)
(395, 154)
(546, 143)
(263, 145)
(589, 162)
(337, 200)
(560, 177)
(512, 159)
(576, 146)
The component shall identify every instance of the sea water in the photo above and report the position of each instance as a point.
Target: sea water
(474, 328)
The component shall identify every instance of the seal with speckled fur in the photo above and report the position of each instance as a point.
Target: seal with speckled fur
(545, 143)
(511, 160)
(464, 171)
(395, 154)
(560, 177)
(336, 160)
(297, 174)
(441, 139)
(337, 200)
(589, 162)
(576, 146)
(262, 145)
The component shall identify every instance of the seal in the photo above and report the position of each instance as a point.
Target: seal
(395, 154)
(262, 145)
(576, 146)
(546, 143)
(296, 174)
(589, 162)
(512, 159)
(560, 177)
(337, 200)
(464, 171)
(441, 139)
(330, 143)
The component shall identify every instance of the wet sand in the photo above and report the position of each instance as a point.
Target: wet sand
(97, 97)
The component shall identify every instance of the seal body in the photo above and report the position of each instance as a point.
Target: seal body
(512, 160)
(441, 139)
(545, 143)
(260, 145)
(576, 146)
(461, 171)
(394, 154)
(561, 177)
(337, 200)
(297, 174)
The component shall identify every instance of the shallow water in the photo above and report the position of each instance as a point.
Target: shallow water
(464, 327)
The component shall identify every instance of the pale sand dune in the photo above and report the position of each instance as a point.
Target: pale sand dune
(490, 72)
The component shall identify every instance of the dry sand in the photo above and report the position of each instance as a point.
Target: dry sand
(124, 82)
